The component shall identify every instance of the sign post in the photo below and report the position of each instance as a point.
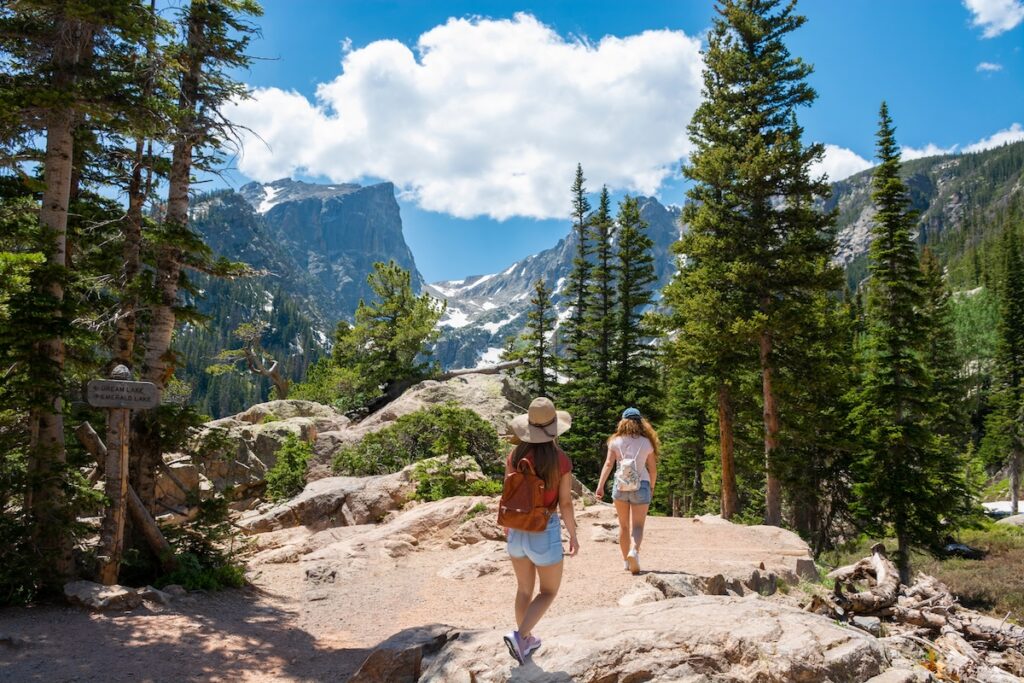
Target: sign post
(120, 396)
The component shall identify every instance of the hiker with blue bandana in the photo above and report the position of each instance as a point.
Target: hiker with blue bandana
(633, 453)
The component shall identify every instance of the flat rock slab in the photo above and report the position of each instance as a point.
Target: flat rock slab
(96, 596)
(704, 638)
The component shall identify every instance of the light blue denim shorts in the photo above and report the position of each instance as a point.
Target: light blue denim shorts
(543, 548)
(642, 496)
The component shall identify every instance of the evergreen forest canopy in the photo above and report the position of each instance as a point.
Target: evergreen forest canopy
(784, 392)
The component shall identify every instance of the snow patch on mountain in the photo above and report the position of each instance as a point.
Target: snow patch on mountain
(495, 326)
(454, 318)
(269, 194)
(489, 358)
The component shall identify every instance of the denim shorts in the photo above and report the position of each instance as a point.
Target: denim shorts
(642, 496)
(543, 548)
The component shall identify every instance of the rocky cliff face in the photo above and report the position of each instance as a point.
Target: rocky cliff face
(950, 193)
(313, 247)
(484, 310)
(333, 234)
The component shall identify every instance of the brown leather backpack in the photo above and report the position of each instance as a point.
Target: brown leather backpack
(522, 500)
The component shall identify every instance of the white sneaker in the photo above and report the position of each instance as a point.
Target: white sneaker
(633, 561)
(625, 565)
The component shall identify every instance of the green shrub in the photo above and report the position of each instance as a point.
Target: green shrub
(446, 478)
(205, 550)
(270, 417)
(342, 388)
(287, 477)
(446, 430)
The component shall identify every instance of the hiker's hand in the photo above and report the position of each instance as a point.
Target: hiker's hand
(599, 494)
(574, 545)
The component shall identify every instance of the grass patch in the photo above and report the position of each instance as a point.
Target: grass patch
(477, 509)
(994, 585)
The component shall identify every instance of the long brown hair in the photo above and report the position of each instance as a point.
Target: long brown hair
(641, 427)
(545, 461)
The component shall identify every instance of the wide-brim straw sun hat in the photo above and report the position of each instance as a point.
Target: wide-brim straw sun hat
(541, 423)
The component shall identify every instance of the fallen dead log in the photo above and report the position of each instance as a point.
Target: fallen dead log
(972, 646)
(877, 568)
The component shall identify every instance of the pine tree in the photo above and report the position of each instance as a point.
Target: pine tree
(941, 354)
(387, 347)
(578, 282)
(902, 463)
(600, 318)
(1004, 426)
(635, 379)
(756, 242)
(540, 370)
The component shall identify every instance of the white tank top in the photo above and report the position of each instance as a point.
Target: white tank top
(638, 447)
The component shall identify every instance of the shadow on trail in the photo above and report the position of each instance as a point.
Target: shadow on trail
(230, 635)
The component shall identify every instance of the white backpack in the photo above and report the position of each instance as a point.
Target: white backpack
(627, 477)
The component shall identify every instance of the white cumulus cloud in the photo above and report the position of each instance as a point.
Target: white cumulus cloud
(1014, 133)
(988, 67)
(929, 150)
(840, 163)
(995, 16)
(487, 117)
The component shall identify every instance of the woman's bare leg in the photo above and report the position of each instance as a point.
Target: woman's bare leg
(526, 576)
(639, 514)
(550, 580)
(622, 510)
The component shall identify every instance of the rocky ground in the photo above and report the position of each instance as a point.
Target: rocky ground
(351, 580)
(322, 601)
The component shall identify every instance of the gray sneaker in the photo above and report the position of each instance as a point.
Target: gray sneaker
(530, 645)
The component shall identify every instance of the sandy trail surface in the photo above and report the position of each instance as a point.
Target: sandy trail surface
(294, 624)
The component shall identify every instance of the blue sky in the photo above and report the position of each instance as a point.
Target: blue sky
(479, 111)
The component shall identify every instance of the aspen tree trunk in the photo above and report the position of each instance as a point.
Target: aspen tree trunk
(45, 498)
(158, 364)
(730, 501)
(773, 488)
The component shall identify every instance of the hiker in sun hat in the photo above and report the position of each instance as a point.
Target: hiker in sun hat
(633, 451)
(537, 487)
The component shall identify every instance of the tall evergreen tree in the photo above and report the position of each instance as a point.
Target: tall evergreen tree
(903, 462)
(541, 365)
(1004, 426)
(578, 283)
(941, 354)
(635, 379)
(599, 321)
(757, 247)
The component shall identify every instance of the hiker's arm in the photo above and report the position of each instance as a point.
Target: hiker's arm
(568, 514)
(652, 469)
(606, 471)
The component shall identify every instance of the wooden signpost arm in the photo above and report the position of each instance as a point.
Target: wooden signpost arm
(143, 521)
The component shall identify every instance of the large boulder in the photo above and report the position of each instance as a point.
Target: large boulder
(239, 450)
(324, 417)
(495, 398)
(1012, 520)
(337, 501)
(692, 639)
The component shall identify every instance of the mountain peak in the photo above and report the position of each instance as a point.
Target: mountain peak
(265, 196)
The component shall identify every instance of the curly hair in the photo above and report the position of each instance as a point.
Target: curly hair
(641, 427)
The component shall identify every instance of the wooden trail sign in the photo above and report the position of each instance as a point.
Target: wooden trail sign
(119, 395)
